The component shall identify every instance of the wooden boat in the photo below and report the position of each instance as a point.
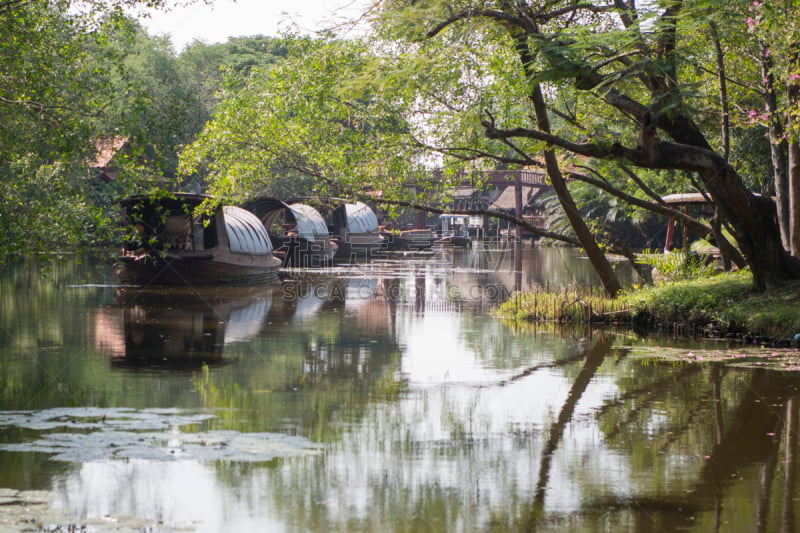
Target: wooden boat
(169, 245)
(356, 228)
(455, 231)
(298, 233)
(408, 240)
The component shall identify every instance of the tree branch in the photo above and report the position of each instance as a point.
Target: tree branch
(659, 155)
(476, 13)
(662, 209)
(526, 21)
(8, 5)
(465, 153)
(474, 212)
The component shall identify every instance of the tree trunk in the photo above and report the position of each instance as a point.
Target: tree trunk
(793, 101)
(723, 92)
(794, 196)
(596, 256)
(755, 224)
(793, 97)
(777, 147)
(753, 218)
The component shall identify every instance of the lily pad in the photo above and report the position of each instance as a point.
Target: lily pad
(105, 434)
(100, 418)
(783, 359)
(23, 511)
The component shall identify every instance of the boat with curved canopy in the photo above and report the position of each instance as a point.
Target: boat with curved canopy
(355, 225)
(168, 244)
(298, 232)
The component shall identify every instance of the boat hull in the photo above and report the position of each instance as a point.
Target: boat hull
(360, 246)
(413, 240)
(455, 241)
(195, 269)
(302, 253)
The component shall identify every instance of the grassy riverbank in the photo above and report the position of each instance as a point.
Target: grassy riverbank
(724, 305)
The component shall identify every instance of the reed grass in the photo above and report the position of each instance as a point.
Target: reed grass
(566, 305)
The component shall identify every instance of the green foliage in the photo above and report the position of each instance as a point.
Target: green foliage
(74, 74)
(750, 149)
(205, 66)
(612, 220)
(678, 266)
(296, 116)
(151, 102)
(52, 90)
(706, 300)
(310, 123)
(726, 302)
(162, 102)
(47, 89)
(239, 55)
(776, 23)
(570, 305)
(599, 71)
(27, 217)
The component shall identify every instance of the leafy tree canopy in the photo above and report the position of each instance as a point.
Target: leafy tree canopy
(310, 124)
(66, 80)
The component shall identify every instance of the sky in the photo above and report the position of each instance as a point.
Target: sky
(224, 18)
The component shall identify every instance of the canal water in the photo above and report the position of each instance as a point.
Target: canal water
(371, 397)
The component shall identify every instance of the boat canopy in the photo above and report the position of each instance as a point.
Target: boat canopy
(152, 209)
(246, 233)
(309, 222)
(245, 323)
(166, 221)
(360, 218)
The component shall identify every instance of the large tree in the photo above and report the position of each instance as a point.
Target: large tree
(49, 94)
(314, 123)
(636, 99)
(73, 72)
(207, 66)
(777, 27)
(630, 62)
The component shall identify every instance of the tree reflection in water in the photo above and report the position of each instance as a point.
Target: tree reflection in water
(431, 414)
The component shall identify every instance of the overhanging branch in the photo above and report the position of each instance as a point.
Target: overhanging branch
(475, 212)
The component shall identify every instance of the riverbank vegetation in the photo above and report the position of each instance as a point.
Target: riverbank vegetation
(724, 305)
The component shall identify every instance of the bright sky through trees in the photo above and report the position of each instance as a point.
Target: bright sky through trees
(226, 18)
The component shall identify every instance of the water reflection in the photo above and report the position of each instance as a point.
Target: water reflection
(429, 414)
(179, 326)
